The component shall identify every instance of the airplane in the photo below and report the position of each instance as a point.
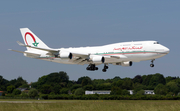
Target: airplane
(124, 53)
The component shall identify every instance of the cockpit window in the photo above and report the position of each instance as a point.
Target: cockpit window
(156, 42)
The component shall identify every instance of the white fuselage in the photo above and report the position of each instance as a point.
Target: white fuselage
(126, 51)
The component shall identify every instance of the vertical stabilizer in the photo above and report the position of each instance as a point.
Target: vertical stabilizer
(31, 39)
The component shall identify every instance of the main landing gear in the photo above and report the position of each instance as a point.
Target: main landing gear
(92, 67)
(105, 67)
(152, 64)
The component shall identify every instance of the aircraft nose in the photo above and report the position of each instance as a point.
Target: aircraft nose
(163, 50)
(166, 50)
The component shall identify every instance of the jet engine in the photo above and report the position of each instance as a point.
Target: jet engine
(65, 55)
(98, 59)
(128, 63)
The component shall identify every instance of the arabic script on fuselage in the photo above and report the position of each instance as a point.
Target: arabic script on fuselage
(128, 48)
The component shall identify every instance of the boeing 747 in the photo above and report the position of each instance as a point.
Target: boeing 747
(124, 53)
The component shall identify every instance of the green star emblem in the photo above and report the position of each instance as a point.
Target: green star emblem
(35, 44)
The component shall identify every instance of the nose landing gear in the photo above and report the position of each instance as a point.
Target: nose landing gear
(152, 64)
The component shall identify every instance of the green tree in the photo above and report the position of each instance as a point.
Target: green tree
(23, 94)
(3, 83)
(125, 92)
(86, 81)
(138, 87)
(42, 80)
(118, 91)
(75, 86)
(58, 77)
(173, 87)
(16, 92)
(64, 91)
(70, 84)
(161, 89)
(115, 79)
(108, 81)
(79, 91)
(157, 79)
(169, 78)
(88, 87)
(34, 85)
(127, 84)
(137, 79)
(143, 77)
(56, 89)
(45, 89)
(10, 88)
(24, 86)
(33, 93)
(104, 86)
(118, 83)
(53, 79)
(18, 82)
(140, 92)
(146, 80)
(98, 81)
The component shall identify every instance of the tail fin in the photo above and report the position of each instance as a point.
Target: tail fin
(31, 39)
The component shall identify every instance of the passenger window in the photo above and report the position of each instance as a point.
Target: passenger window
(126, 44)
(137, 44)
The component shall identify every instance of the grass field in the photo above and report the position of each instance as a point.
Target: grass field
(89, 105)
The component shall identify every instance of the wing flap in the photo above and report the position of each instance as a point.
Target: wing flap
(116, 57)
(81, 55)
(79, 60)
(83, 62)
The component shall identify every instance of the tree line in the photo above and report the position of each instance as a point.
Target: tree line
(57, 86)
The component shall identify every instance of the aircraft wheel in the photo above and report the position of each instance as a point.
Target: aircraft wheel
(104, 70)
(96, 68)
(151, 65)
(87, 68)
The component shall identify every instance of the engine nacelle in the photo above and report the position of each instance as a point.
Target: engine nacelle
(98, 59)
(129, 63)
(65, 55)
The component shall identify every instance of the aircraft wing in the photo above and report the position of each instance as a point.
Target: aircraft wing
(78, 58)
(82, 56)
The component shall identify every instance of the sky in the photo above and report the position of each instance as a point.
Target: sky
(80, 23)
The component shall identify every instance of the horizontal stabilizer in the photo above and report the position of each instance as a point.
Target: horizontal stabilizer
(43, 49)
(25, 52)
